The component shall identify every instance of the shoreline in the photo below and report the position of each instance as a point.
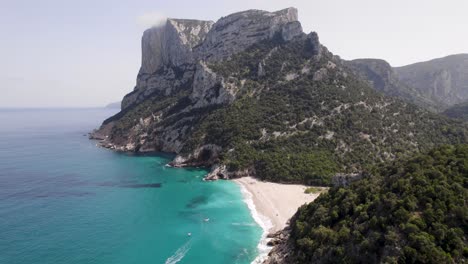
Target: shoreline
(263, 221)
(272, 205)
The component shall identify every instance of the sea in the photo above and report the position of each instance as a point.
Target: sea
(65, 200)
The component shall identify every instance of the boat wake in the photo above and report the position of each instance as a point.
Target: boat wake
(180, 253)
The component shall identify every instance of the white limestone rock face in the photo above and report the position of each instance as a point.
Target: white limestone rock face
(177, 53)
(236, 32)
(171, 44)
(209, 88)
(165, 80)
(167, 58)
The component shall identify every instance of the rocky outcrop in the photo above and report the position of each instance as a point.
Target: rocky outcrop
(167, 57)
(220, 172)
(283, 248)
(167, 80)
(172, 44)
(209, 88)
(236, 32)
(342, 180)
(206, 155)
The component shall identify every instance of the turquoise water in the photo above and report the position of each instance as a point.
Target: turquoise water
(63, 200)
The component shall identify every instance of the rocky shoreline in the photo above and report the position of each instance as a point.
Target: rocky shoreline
(281, 247)
(217, 171)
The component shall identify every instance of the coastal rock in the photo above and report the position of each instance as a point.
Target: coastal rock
(282, 244)
(217, 172)
(206, 155)
(102, 133)
(220, 172)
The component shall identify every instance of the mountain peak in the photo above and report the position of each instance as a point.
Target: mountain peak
(236, 32)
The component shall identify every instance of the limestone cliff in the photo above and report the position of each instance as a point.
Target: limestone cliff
(176, 59)
(167, 57)
(239, 31)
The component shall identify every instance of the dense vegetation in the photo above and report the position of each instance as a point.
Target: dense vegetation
(459, 111)
(412, 211)
(294, 126)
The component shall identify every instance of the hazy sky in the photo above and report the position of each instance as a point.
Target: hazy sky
(58, 53)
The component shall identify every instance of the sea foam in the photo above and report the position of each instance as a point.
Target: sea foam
(263, 221)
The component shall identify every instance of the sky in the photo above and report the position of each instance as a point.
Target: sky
(68, 53)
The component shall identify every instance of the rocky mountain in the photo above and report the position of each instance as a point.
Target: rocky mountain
(253, 94)
(444, 81)
(434, 85)
(383, 77)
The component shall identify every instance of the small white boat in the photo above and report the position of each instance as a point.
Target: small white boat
(206, 219)
(189, 234)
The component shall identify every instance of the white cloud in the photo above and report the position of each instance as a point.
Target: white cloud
(151, 19)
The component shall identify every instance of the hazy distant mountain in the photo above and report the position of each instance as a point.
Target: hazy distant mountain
(115, 105)
(383, 78)
(444, 81)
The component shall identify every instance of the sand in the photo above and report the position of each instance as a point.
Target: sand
(275, 203)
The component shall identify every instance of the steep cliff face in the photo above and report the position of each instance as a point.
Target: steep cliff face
(172, 44)
(238, 31)
(175, 53)
(444, 80)
(167, 57)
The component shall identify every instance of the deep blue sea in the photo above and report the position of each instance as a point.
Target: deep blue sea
(64, 200)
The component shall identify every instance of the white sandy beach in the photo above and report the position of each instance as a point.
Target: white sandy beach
(276, 202)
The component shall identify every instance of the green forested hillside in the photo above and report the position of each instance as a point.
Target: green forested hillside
(411, 211)
(459, 111)
(307, 117)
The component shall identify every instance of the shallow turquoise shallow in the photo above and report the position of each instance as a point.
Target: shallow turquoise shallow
(63, 200)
